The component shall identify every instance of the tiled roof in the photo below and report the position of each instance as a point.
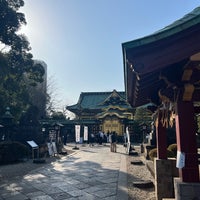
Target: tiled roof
(93, 100)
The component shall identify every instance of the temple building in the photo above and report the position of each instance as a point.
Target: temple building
(164, 69)
(103, 111)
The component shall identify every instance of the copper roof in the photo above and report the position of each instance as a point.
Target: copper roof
(97, 100)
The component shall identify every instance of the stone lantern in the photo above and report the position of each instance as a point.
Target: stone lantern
(7, 121)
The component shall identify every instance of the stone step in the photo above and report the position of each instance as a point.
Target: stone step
(39, 161)
(133, 153)
(137, 162)
(143, 184)
(168, 199)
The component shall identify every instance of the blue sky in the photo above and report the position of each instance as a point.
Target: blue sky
(80, 40)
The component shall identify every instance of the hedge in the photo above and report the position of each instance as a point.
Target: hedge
(11, 152)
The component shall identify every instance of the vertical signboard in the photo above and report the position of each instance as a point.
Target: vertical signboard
(77, 132)
(180, 160)
(85, 136)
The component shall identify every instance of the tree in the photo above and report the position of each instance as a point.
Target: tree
(52, 96)
(10, 21)
(17, 69)
(143, 115)
(54, 103)
(58, 115)
(30, 117)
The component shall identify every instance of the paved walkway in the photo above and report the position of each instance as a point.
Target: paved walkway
(89, 173)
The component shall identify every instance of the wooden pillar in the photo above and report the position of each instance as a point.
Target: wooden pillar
(161, 138)
(186, 141)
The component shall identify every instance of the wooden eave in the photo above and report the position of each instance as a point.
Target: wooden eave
(145, 62)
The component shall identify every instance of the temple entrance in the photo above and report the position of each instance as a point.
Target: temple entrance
(112, 124)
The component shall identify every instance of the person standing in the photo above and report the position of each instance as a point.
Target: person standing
(110, 140)
(101, 136)
(108, 137)
(113, 145)
(92, 138)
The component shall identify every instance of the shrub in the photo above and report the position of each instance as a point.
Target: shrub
(170, 154)
(173, 148)
(153, 154)
(11, 152)
(43, 150)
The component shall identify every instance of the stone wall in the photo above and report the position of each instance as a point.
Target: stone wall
(165, 171)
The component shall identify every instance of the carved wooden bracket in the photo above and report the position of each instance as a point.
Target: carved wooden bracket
(188, 92)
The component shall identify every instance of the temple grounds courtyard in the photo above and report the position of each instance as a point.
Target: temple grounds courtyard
(88, 173)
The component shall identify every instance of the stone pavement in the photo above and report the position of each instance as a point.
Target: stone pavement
(89, 173)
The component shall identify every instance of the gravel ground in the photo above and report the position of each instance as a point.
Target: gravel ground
(138, 173)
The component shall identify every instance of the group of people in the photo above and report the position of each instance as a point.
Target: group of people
(100, 138)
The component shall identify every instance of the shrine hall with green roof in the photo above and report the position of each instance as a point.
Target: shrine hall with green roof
(103, 111)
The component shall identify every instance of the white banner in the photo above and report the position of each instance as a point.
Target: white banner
(128, 141)
(128, 135)
(50, 148)
(77, 132)
(85, 137)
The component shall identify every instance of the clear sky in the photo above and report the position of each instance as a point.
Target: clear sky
(81, 40)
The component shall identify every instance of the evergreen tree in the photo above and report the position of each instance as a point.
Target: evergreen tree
(17, 69)
(143, 115)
